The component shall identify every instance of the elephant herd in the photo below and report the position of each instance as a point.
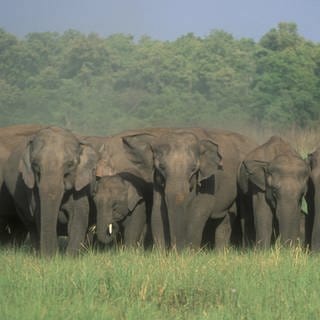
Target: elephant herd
(157, 187)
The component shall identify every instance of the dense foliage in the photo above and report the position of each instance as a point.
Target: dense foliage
(103, 85)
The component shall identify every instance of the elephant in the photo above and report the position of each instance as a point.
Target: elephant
(115, 170)
(50, 172)
(194, 177)
(120, 210)
(313, 201)
(276, 177)
(12, 229)
(10, 136)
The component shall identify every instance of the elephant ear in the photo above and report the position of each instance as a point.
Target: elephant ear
(105, 166)
(85, 172)
(139, 149)
(210, 159)
(243, 178)
(133, 196)
(25, 166)
(255, 171)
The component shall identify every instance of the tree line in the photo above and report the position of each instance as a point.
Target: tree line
(101, 85)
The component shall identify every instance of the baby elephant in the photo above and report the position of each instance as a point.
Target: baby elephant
(120, 211)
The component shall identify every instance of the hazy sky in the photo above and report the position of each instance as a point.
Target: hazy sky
(160, 19)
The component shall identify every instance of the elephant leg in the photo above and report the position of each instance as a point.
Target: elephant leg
(302, 230)
(236, 225)
(34, 237)
(263, 220)
(315, 243)
(199, 230)
(5, 229)
(245, 215)
(33, 227)
(12, 229)
(309, 218)
(4, 232)
(217, 232)
(134, 226)
(223, 232)
(19, 232)
(159, 222)
(78, 225)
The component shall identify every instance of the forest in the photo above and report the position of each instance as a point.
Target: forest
(101, 85)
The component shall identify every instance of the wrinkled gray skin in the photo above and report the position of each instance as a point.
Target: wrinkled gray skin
(51, 172)
(194, 175)
(313, 199)
(115, 162)
(12, 229)
(276, 177)
(118, 203)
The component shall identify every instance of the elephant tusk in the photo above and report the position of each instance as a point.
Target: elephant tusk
(110, 228)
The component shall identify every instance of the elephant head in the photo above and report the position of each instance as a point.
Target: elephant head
(114, 198)
(54, 162)
(180, 163)
(284, 182)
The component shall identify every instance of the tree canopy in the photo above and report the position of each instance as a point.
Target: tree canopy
(100, 85)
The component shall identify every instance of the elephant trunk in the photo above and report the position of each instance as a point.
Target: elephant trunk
(105, 227)
(289, 215)
(177, 200)
(50, 202)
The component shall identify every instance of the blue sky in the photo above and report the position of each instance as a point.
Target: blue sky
(160, 19)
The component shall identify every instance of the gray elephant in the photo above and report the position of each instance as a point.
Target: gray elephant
(116, 171)
(120, 211)
(12, 229)
(194, 176)
(313, 200)
(276, 177)
(50, 172)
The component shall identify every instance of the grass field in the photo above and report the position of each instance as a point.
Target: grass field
(133, 284)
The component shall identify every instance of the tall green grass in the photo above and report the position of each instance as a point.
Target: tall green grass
(133, 284)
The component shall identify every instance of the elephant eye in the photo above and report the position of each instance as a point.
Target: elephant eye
(66, 175)
(114, 205)
(70, 165)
